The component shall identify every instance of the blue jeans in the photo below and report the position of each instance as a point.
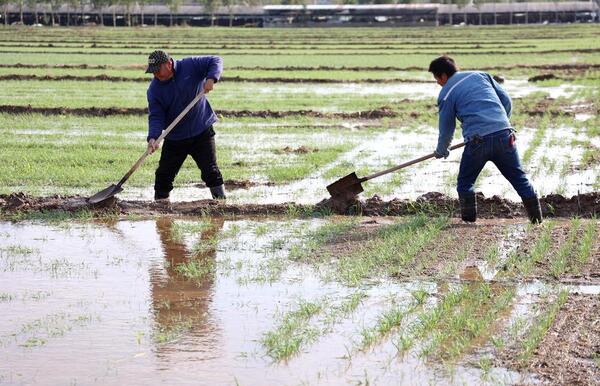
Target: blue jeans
(500, 148)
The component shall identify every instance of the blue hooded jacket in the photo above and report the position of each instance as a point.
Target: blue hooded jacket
(478, 101)
(167, 99)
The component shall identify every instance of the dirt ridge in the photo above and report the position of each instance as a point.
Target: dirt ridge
(564, 66)
(110, 78)
(381, 112)
(553, 205)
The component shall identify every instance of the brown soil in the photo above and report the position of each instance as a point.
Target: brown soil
(238, 184)
(382, 112)
(584, 205)
(313, 51)
(575, 272)
(299, 150)
(553, 205)
(109, 78)
(569, 352)
(438, 258)
(555, 107)
(539, 78)
(547, 67)
(543, 107)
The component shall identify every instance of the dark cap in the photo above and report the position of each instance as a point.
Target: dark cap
(155, 59)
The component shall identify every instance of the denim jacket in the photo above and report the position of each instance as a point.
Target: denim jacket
(478, 101)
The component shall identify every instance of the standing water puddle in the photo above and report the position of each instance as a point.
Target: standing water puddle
(114, 304)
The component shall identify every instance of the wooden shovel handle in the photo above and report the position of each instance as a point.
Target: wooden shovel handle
(401, 166)
(165, 132)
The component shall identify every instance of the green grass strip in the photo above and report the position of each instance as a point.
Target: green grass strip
(392, 251)
(540, 327)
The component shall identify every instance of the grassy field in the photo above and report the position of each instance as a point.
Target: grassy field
(328, 73)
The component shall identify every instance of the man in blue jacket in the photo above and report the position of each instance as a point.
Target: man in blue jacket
(484, 109)
(175, 85)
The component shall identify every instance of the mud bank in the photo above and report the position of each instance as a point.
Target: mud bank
(381, 112)
(549, 67)
(109, 78)
(584, 205)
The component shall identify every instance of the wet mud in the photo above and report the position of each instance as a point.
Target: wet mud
(548, 67)
(569, 352)
(238, 184)
(314, 51)
(109, 78)
(554, 205)
(542, 107)
(542, 77)
(382, 112)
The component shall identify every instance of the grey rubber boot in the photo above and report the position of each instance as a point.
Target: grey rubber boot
(218, 192)
(534, 211)
(468, 207)
(158, 197)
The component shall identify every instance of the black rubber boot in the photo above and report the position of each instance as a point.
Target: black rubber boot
(468, 207)
(218, 192)
(534, 211)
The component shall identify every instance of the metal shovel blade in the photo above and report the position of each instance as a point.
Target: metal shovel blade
(105, 194)
(348, 186)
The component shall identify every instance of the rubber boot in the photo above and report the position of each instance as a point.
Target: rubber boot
(218, 192)
(468, 207)
(158, 197)
(534, 211)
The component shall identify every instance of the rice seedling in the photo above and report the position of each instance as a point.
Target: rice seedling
(540, 327)
(293, 332)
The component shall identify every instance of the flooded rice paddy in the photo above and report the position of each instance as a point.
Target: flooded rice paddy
(235, 301)
(271, 286)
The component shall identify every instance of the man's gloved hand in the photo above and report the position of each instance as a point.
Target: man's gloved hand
(438, 154)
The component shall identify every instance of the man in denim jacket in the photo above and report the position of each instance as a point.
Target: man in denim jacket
(483, 108)
(175, 85)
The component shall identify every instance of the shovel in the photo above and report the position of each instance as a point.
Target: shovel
(114, 189)
(350, 186)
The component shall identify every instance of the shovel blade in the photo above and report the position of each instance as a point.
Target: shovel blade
(104, 194)
(348, 186)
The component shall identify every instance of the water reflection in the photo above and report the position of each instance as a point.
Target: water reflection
(180, 305)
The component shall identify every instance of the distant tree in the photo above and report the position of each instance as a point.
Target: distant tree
(142, 3)
(463, 4)
(230, 5)
(99, 5)
(210, 6)
(54, 6)
(478, 4)
(70, 5)
(113, 4)
(5, 10)
(32, 4)
(128, 5)
(20, 3)
(173, 7)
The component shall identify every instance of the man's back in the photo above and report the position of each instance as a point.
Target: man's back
(479, 103)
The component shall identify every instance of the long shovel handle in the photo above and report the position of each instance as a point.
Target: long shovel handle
(165, 132)
(401, 166)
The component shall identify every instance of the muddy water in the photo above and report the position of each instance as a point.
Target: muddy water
(104, 303)
(557, 174)
(517, 88)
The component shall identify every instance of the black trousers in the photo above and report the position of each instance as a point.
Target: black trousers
(203, 151)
